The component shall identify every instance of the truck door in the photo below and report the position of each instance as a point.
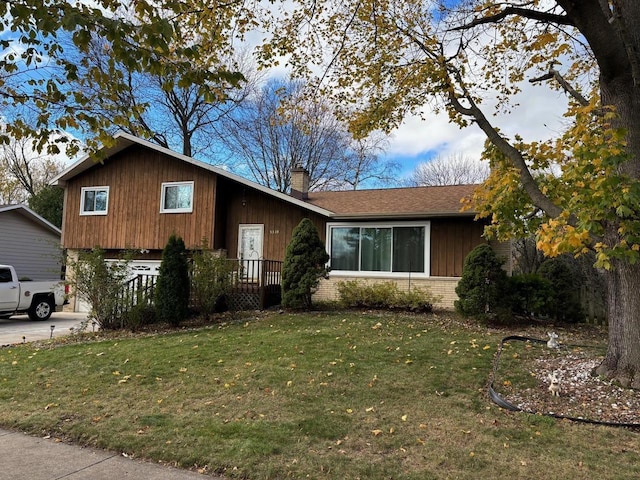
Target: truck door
(9, 291)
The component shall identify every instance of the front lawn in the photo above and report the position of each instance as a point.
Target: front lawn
(332, 395)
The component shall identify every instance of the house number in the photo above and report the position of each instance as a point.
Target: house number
(274, 232)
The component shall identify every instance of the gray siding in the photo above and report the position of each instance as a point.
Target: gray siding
(33, 250)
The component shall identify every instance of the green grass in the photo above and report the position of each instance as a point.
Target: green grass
(349, 396)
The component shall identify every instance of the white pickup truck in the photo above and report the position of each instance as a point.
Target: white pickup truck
(38, 299)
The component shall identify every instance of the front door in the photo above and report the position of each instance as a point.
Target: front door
(250, 239)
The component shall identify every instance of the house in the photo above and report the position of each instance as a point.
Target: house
(138, 194)
(30, 243)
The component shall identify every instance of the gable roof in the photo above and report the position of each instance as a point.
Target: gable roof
(125, 140)
(395, 202)
(350, 204)
(31, 215)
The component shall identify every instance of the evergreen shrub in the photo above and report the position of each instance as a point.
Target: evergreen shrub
(304, 264)
(483, 288)
(172, 289)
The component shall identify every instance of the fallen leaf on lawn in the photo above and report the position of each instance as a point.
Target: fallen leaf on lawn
(183, 369)
(404, 418)
(486, 347)
(370, 409)
(376, 432)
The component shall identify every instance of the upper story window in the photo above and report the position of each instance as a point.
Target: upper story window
(94, 201)
(177, 197)
(393, 249)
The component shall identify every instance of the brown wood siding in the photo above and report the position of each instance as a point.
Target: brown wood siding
(134, 178)
(451, 242)
(279, 219)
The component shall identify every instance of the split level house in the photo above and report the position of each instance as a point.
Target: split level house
(139, 193)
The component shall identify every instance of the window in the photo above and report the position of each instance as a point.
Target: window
(177, 197)
(94, 201)
(5, 275)
(393, 249)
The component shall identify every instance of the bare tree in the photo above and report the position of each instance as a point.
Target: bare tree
(365, 165)
(453, 170)
(281, 128)
(169, 112)
(25, 172)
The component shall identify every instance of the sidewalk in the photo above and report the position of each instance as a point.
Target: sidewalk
(32, 458)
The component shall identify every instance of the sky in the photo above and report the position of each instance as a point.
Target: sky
(538, 117)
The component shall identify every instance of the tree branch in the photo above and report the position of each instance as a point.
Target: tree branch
(529, 184)
(517, 11)
(555, 74)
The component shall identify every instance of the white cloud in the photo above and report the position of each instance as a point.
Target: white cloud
(537, 116)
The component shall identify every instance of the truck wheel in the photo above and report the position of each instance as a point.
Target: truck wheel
(41, 309)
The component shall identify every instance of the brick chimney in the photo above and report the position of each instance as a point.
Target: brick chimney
(299, 183)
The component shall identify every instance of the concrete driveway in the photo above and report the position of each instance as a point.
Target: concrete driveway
(20, 329)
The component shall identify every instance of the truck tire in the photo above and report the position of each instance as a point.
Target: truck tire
(41, 309)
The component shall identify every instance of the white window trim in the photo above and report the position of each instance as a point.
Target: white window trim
(175, 210)
(95, 189)
(356, 273)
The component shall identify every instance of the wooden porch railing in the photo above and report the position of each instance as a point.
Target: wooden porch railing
(255, 283)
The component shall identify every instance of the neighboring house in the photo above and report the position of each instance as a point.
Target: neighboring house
(30, 243)
(140, 193)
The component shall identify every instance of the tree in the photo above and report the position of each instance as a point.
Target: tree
(142, 36)
(452, 170)
(173, 115)
(48, 203)
(305, 262)
(281, 128)
(388, 59)
(25, 171)
(172, 289)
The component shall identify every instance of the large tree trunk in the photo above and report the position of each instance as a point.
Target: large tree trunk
(622, 362)
(618, 88)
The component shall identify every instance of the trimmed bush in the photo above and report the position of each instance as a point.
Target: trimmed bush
(139, 316)
(304, 264)
(483, 287)
(385, 295)
(211, 280)
(172, 289)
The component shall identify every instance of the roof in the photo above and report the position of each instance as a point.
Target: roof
(395, 202)
(31, 215)
(125, 140)
(351, 204)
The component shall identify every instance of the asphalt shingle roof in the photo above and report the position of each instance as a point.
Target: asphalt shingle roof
(423, 201)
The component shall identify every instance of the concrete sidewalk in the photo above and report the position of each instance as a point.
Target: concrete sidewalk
(23, 457)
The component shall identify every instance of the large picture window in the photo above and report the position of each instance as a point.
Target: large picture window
(389, 248)
(94, 201)
(177, 197)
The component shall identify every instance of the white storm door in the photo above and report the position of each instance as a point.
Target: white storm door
(250, 241)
